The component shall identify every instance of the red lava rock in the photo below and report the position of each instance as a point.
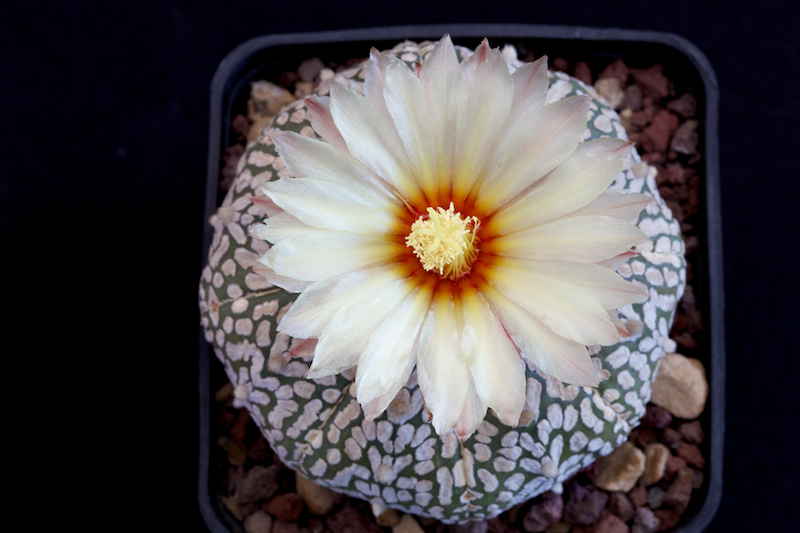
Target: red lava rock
(259, 451)
(638, 496)
(692, 454)
(582, 529)
(643, 436)
(260, 483)
(685, 106)
(591, 471)
(618, 69)
(692, 432)
(541, 515)
(652, 158)
(498, 525)
(560, 64)
(310, 69)
(680, 491)
(655, 137)
(231, 159)
(583, 72)
(620, 505)
(656, 417)
(652, 80)
(240, 125)
(698, 478)
(611, 524)
(285, 527)
(685, 339)
(478, 526)
(633, 98)
(349, 520)
(655, 497)
(644, 521)
(226, 418)
(667, 519)
(584, 504)
(285, 507)
(671, 438)
(641, 119)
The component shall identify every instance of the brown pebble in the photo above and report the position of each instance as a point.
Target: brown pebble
(618, 69)
(692, 454)
(667, 518)
(698, 478)
(560, 64)
(258, 522)
(680, 491)
(620, 505)
(692, 432)
(644, 521)
(236, 453)
(671, 438)
(230, 504)
(655, 416)
(656, 457)
(642, 436)
(583, 72)
(634, 99)
(260, 483)
(673, 465)
(684, 141)
(540, 515)
(583, 504)
(685, 106)
(655, 137)
(655, 497)
(611, 524)
(389, 518)
(310, 69)
(239, 429)
(285, 507)
(350, 520)
(638, 496)
(652, 80)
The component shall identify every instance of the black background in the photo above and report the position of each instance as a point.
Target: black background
(104, 122)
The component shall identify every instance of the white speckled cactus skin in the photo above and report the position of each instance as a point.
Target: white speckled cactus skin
(317, 427)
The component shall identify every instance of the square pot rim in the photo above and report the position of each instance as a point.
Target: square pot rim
(232, 65)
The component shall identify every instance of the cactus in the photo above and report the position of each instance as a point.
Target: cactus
(317, 427)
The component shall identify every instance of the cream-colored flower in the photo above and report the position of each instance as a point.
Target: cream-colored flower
(451, 220)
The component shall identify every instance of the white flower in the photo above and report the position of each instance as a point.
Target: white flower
(451, 220)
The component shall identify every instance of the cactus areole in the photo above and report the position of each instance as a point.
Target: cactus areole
(461, 288)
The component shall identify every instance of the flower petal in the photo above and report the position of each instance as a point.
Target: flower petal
(584, 239)
(347, 335)
(386, 363)
(609, 288)
(282, 226)
(310, 314)
(284, 282)
(621, 329)
(408, 106)
(319, 109)
(483, 106)
(570, 186)
(539, 141)
(618, 205)
(497, 370)
(472, 414)
(530, 87)
(552, 354)
(372, 138)
(443, 377)
(334, 207)
(329, 253)
(569, 310)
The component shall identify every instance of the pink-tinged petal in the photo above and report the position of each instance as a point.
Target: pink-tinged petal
(618, 260)
(386, 364)
(583, 239)
(530, 86)
(312, 158)
(617, 205)
(347, 335)
(330, 253)
(484, 104)
(441, 79)
(552, 354)
(284, 282)
(333, 207)
(313, 310)
(607, 287)
(570, 186)
(540, 140)
(472, 414)
(319, 109)
(408, 106)
(372, 138)
(443, 377)
(569, 310)
(497, 370)
(621, 329)
(281, 226)
(266, 204)
(302, 347)
(479, 57)
(375, 79)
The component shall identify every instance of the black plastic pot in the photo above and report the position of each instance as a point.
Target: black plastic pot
(269, 56)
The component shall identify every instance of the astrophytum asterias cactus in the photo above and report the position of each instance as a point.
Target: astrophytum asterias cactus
(317, 425)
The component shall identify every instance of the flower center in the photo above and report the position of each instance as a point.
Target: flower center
(445, 241)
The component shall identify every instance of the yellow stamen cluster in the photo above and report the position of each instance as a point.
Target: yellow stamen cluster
(445, 241)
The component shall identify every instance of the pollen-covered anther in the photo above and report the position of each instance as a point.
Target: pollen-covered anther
(445, 241)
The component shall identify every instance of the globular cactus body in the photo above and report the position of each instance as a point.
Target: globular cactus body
(317, 426)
